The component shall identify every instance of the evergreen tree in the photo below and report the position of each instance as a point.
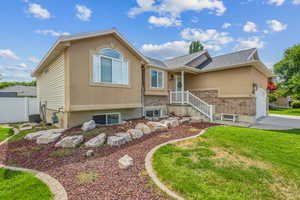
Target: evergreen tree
(196, 46)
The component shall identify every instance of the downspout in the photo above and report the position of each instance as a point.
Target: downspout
(143, 91)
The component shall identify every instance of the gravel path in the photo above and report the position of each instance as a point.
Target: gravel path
(111, 183)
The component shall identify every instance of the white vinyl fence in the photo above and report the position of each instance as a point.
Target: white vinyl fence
(18, 109)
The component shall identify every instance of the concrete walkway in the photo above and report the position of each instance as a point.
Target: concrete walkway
(278, 122)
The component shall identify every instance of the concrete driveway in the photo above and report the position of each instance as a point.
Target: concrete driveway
(278, 122)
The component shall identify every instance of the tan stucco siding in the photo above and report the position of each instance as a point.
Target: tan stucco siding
(259, 78)
(51, 84)
(86, 95)
(155, 91)
(230, 83)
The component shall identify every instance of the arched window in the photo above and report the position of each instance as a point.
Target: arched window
(109, 67)
(111, 53)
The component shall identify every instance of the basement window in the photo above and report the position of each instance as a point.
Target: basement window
(107, 119)
(153, 113)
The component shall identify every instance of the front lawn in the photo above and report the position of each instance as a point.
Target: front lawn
(5, 133)
(233, 163)
(285, 111)
(22, 186)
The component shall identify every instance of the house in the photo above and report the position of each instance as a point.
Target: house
(18, 91)
(101, 76)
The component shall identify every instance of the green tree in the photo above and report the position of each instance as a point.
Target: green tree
(196, 46)
(288, 71)
(8, 84)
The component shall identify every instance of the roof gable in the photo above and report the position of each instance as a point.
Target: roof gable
(63, 42)
(181, 61)
(235, 58)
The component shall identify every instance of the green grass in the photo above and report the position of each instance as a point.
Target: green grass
(233, 163)
(16, 185)
(5, 133)
(285, 111)
(21, 135)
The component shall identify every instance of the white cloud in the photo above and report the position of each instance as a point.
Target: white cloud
(174, 8)
(38, 11)
(7, 53)
(83, 12)
(52, 33)
(164, 21)
(166, 50)
(252, 42)
(276, 25)
(23, 65)
(266, 31)
(34, 59)
(195, 19)
(210, 38)
(276, 2)
(250, 27)
(226, 25)
(296, 2)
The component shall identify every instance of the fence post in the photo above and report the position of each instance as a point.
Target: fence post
(26, 108)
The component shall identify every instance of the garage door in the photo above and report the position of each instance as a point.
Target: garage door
(261, 103)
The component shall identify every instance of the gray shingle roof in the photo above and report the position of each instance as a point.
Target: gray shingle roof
(22, 91)
(234, 58)
(156, 62)
(182, 60)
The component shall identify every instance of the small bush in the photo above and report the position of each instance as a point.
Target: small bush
(272, 98)
(87, 177)
(296, 104)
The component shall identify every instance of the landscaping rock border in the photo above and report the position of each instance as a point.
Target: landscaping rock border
(55, 187)
(151, 172)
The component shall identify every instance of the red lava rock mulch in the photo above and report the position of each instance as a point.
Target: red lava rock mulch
(111, 183)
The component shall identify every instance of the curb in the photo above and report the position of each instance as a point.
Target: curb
(151, 172)
(55, 187)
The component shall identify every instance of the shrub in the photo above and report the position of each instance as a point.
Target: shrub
(272, 97)
(296, 104)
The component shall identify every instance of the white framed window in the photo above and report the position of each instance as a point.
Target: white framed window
(156, 78)
(110, 67)
(107, 118)
(153, 113)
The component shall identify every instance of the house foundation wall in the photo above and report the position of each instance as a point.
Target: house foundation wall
(156, 102)
(78, 118)
(230, 105)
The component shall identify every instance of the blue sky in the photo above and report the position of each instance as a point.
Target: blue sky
(158, 28)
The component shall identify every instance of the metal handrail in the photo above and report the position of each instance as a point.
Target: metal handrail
(186, 97)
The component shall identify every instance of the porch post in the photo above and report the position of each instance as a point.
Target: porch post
(182, 87)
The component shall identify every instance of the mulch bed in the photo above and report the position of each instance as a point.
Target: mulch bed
(111, 183)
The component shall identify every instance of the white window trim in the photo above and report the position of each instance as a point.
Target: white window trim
(113, 59)
(163, 79)
(106, 124)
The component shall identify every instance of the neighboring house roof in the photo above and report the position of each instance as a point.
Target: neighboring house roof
(239, 57)
(21, 91)
(181, 61)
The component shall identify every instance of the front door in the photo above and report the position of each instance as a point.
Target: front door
(178, 83)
